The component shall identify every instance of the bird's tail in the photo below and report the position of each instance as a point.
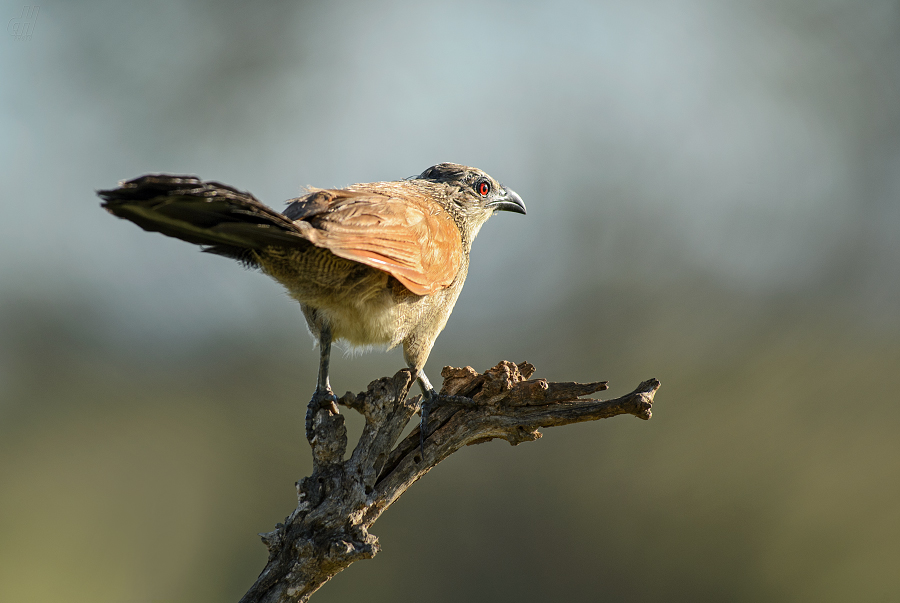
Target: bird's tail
(223, 219)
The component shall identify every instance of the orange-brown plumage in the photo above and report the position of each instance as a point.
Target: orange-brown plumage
(401, 232)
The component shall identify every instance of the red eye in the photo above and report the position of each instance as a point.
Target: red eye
(484, 188)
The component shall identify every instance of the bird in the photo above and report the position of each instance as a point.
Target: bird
(372, 264)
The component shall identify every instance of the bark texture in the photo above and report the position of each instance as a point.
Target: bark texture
(340, 501)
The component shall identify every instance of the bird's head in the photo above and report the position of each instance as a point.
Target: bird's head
(471, 193)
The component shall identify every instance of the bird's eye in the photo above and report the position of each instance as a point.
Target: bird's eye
(483, 188)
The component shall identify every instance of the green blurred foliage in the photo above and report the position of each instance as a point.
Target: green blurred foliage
(766, 472)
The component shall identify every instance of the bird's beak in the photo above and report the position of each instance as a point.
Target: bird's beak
(509, 201)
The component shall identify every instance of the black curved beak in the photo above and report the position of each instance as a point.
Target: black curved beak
(508, 201)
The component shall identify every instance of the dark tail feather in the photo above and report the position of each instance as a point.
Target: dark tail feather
(230, 222)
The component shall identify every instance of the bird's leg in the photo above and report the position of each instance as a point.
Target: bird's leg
(429, 401)
(324, 397)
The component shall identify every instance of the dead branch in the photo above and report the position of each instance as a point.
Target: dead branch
(340, 501)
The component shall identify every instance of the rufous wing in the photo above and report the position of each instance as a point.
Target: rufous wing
(410, 237)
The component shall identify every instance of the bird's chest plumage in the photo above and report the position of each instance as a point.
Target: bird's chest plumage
(363, 305)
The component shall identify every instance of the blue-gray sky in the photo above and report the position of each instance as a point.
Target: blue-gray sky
(756, 143)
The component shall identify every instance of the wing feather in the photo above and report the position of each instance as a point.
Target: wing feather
(409, 236)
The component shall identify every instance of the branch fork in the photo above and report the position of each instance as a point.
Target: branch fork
(341, 499)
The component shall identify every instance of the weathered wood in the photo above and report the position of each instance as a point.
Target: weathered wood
(340, 501)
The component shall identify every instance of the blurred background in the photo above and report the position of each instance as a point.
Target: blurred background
(713, 195)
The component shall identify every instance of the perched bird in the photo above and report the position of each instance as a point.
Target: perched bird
(371, 264)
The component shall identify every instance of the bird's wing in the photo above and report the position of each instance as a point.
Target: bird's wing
(407, 234)
(397, 230)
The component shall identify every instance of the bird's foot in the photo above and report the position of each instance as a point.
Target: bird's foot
(322, 399)
(431, 400)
